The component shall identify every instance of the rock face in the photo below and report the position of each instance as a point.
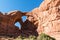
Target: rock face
(8, 28)
(7, 22)
(43, 19)
(47, 18)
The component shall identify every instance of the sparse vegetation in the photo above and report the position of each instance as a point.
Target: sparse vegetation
(40, 37)
(44, 37)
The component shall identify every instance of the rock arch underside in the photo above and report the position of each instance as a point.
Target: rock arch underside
(43, 19)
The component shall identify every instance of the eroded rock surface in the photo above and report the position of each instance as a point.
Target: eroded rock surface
(47, 18)
(7, 22)
(43, 19)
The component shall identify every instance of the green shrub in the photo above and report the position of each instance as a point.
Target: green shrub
(44, 37)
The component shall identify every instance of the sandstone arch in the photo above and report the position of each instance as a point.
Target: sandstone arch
(7, 23)
(16, 16)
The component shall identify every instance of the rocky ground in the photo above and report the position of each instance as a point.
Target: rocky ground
(6, 38)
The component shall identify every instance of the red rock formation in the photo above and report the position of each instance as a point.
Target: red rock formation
(8, 28)
(47, 18)
(44, 19)
(28, 29)
(7, 22)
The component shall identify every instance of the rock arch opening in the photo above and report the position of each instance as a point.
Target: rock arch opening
(17, 24)
(24, 18)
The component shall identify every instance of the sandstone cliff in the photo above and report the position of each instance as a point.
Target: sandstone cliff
(47, 18)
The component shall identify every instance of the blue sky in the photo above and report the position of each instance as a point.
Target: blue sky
(22, 5)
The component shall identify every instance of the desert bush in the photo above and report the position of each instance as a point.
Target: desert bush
(43, 36)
